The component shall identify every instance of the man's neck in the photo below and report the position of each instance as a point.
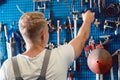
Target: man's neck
(34, 50)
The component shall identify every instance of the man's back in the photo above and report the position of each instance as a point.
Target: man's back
(30, 68)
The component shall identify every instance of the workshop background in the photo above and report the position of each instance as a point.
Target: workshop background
(61, 16)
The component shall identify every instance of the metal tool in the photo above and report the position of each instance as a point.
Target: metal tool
(13, 45)
(103, 3)
(39, 5)
(81, 3)
(117, 25)
(90, 46)
(99, 76)
(106, 25)
(7, 42)
(94, 2)
(116, 31)
(75, 18)
(70, 26)
(87, 50)
(117, 52)
(22, 12)
(58, 33)
(99, 7)
(107, 39)
(1, 26)
(97, 23)
(112, 10)
(91, 43)
(70, 76)
(111, 73)
(86, 1)
(91, 3)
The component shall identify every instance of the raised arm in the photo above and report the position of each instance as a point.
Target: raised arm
(83, 33)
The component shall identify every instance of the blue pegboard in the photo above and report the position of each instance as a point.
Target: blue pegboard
(60, 11)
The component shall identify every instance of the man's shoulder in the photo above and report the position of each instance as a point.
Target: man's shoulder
(7, 61)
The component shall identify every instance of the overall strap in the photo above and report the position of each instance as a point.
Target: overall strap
(43, 70)
(44, 66)
(16, 69)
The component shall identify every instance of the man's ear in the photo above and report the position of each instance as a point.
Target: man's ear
(42, 35)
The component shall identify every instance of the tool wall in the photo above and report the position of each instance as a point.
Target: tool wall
(61, 15)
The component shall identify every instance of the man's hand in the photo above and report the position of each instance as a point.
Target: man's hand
(88, 16)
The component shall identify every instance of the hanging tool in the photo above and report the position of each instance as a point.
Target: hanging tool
(113, 10)
(81, 3)
(6, 33)
(117, 52)
(40, 4)
(75, 14)
(7, 42)
(107, 39)
(87, 50)
(90, 46)
(70, 76)
(70, 26)
(58, 33)
(1, 26)
(99, 76)
(97, 23)
(13, 45)
(0, 62)
(86, 1)
(91, 43)
(116, 31)
(75, 18)
(94, 2)
(99, 7)
(103, 3)
(106, 24)
(117, 25)
(19, 9)
(91, 4)
(111, 73)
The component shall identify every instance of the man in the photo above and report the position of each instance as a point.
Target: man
(34, 30)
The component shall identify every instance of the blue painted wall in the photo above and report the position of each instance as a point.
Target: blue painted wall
(60, 11)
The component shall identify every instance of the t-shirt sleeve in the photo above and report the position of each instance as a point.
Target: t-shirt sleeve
(3, 72)
(67, 53)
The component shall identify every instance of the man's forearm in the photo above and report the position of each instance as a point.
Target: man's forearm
(84, 31)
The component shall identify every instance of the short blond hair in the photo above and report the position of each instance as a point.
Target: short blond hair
(31, 23)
